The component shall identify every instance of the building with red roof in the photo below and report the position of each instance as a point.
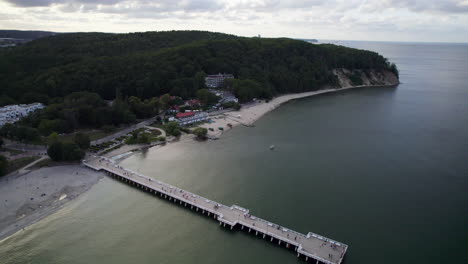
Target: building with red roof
(191, 117)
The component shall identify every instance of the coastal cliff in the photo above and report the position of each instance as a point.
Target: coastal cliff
(349, 78)
(150, 64)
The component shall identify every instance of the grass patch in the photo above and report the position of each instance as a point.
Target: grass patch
(111, 149)
(17, 164)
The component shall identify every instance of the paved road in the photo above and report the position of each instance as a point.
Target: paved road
(124, 132)
(24, 147)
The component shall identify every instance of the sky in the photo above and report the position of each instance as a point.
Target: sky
(375, 20)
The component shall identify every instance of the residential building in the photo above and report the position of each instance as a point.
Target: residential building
(225, 96)
(13, 113)
(191, 117)
(193, 103)
(217, 80)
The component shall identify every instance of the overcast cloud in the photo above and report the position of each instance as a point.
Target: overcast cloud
(397, 20)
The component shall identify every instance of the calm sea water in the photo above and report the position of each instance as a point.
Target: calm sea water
(384, 170)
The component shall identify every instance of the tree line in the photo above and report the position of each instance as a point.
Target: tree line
(147, 65)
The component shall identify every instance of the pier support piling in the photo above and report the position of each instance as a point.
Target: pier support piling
(226, 216)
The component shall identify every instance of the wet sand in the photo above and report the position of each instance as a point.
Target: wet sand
(27, 198)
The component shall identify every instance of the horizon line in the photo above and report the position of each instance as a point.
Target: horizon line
(299, 38)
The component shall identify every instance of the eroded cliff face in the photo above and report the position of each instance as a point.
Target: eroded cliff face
(348, 78)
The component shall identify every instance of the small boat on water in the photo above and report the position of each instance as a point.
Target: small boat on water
(272, 147)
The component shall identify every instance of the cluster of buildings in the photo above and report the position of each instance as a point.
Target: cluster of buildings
(13, 113)
(225, 96)
(191, 117)
(217, 80)
(187, 117)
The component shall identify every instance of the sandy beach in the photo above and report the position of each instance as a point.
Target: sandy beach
(250, 113)
(27, 198)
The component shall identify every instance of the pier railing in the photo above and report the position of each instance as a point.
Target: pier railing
(314, 246)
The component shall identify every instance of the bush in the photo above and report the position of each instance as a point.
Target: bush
(59, 151)
(173, 128)
(20, 133)
(138, 138)
(82, 140)
(200, 132)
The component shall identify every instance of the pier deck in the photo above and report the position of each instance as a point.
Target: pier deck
(311, 246)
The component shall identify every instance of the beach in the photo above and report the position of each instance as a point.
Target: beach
(250, 113)
(28, 198)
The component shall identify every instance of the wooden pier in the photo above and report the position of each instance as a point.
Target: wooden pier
(310, 247)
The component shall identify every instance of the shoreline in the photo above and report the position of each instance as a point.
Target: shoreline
(23, 200)
(249, 114)
(28, 198)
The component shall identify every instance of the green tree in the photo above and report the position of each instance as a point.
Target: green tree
(71, 152)
(59, 151)
(206, 97)
(165, 100)
(173, 128)
(82, 140)
(48, 126)
(155, 104)
(200, 132)
(1, 142)
(52, 138)
(3, 165)
(199, 80)
(55, 151)
(143, 138)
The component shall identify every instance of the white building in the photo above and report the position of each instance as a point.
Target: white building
(13, 113)
(225, 96)
(217, 80)
(191, 117)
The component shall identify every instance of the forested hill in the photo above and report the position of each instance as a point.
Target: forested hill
(21, 34)
(154, 63)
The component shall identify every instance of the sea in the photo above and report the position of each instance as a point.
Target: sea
(384, 170)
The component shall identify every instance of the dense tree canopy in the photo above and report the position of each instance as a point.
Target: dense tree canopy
(67, 151)
(3, 165)
(150, 64)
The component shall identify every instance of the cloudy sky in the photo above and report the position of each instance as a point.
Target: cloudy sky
(395, 20)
